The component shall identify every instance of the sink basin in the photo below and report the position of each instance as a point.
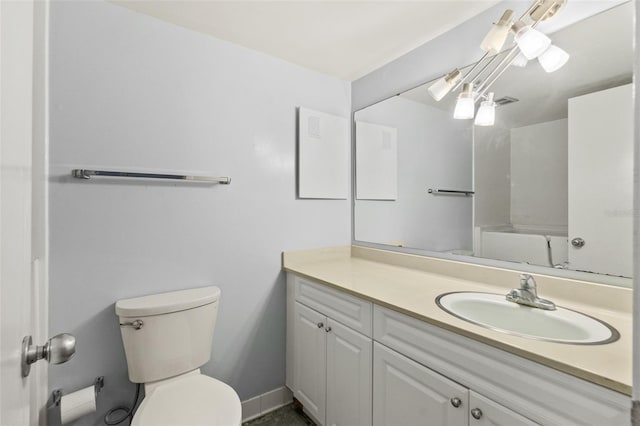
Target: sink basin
(493, 311)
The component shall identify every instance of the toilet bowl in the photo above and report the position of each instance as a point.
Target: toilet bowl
(167, 338)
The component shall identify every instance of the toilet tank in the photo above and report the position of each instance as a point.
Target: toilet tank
(167, 334)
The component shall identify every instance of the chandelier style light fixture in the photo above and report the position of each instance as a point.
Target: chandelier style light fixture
(529, 44)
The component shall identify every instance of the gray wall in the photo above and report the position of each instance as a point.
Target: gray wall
(133, 92)
(539, 174)
(434, 151)
(491, 175)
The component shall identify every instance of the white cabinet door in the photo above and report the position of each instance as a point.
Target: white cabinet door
(349, 381)
(601, 181)
(407, 394)
(310, 360)
(485, 412)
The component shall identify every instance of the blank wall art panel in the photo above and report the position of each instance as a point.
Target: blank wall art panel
(323, 168)
(376, 162)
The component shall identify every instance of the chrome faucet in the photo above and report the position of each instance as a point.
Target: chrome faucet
(527, 294)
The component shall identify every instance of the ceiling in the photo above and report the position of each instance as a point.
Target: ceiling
(603, 62)
(345, 39)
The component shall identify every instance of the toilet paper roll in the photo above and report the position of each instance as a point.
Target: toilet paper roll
(77, 404)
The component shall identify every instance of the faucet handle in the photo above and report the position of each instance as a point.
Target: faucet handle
(527, 282)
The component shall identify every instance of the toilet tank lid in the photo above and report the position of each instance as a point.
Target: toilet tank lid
(164, 303)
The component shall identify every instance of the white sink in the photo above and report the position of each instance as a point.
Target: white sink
(494, 312)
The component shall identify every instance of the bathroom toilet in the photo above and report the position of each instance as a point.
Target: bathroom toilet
(167, 338)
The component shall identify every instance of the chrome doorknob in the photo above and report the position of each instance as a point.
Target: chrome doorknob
(578, 242)
(320, 325)
(57, 350)
(456, 402)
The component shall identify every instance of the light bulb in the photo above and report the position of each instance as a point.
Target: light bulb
(553, 58)
(520, 61)
(439, 89)
(487, 112)
(532, 43)
(442, 86)
(465, 105)
(497, 35)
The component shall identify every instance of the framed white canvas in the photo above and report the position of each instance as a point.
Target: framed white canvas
(323, 155)
(376, 162)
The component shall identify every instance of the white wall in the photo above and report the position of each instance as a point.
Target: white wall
(492, 175)
(521, 175)
(434, 151)
(132, 92)
(539, 174)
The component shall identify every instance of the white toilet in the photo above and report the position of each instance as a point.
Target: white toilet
(167, 338)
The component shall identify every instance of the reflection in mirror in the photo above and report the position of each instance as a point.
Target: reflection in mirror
(549, 184)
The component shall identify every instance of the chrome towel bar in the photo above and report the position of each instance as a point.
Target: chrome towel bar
(450, 192)
(87, 174)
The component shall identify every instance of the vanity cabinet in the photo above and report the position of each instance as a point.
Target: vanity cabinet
(332, 362)
(406, 393)
(350, 362)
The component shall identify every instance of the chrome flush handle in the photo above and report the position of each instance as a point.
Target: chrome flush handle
(136, 324)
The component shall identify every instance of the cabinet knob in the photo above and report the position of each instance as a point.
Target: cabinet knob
(320, 325)
(476, 413)
(328, 329)
(456, 402)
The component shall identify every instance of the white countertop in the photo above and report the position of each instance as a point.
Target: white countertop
(410, 284)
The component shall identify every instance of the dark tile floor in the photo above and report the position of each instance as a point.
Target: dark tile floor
(285, 416)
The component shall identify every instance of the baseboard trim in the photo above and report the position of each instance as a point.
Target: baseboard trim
(260, 405)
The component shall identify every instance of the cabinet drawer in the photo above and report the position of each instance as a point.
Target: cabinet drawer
(539, 393)
(342, 307)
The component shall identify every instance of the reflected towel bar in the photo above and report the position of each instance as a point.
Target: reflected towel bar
(450, 192)
(86, 174)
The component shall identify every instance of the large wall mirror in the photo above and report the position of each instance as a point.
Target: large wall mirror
(548, 185)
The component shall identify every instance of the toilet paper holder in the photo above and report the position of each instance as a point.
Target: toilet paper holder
(56, 395)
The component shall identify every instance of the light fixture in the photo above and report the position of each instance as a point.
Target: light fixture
(465, 105)
(529, 43)
(532, 43)
(442, 86)
(520, 61)
(497, 35)
(553, 58)
(487, 112)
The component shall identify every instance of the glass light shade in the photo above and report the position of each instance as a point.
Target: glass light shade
(520, 61)
(465, 108)
(495, 38)
(486, 113)
(553, 58)
(532, 43)
(439, 89)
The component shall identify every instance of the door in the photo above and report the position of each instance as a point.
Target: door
(22, 85)
(406, 393)
(601, 182)
(485, 412)
(349, 360)
(310, 360)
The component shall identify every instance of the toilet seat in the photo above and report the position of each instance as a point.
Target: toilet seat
(191, 400)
